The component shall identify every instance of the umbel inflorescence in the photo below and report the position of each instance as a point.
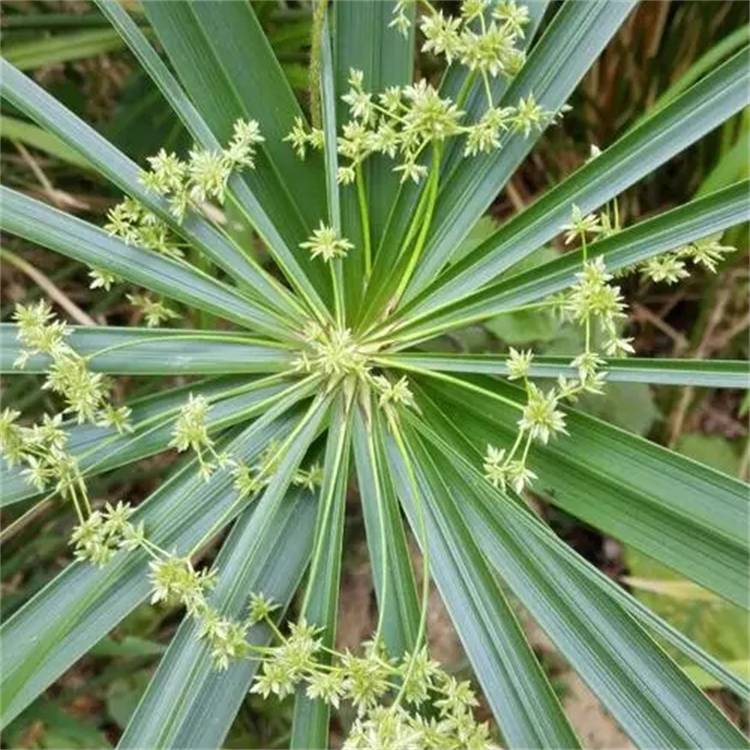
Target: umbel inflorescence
(400, 700)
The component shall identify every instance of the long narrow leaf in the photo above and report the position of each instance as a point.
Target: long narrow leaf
(37, 222)
(713, 373)
(156, 351)
(652, 699)
(516, 687)
(705, 106)
(320, 604)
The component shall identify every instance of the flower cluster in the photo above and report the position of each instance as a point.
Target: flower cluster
(191, 432)
(399, 703)
(136, 225)
(672, 267)
(104, 532)
(402, 122)
(204, 176)
(326, 243)
(154, 311)
(333, 353)
(301, 138)
(86, 394)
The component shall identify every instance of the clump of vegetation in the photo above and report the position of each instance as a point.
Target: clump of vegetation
(342, 324)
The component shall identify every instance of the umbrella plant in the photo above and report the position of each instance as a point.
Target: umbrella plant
(314, 378)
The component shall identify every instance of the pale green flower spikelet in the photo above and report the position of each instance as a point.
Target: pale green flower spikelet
(103, 533)
(393, 392)
(175, 581)
(326, 244)
(191, 432)
(581, 225)
(260, 608)
(671, 267)
(154, 311)
(302, 138)
(541, 417)
(519, 364)
(310, 478)
(101, 279)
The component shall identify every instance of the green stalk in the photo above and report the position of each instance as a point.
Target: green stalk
(364, 219)
(432, 192)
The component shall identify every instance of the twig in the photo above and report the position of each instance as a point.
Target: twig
(53, 291)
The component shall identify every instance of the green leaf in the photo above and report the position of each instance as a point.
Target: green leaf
(640, 151)
(188, 703)
(228, 69)
(668, 231)
(321, 601)
(713, 450)
(201, 703)
(626, 486)
(15, 129)
(239, 191)
(646, 692)
(512, 679)
(156, 351)
(713, 373)
(45, 110)
(570, 44)
(363, 40)
(46, 226)
(61, 48)
(87, 601)
(398, 604)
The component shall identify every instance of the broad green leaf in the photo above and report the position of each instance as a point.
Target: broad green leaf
(46, 226)
(239, 191)
(570, 44)
(321, 600)
(668, 231)
(156, 351)
(698, 111)
(393, 576)
(687, 516)
(46, 111)
(711, 373)
(186, 686)
(638, 684)
(521, 698)
(228, 69)
(88, 602)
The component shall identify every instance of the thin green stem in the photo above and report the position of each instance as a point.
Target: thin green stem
(364, 219)
(432, 191)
